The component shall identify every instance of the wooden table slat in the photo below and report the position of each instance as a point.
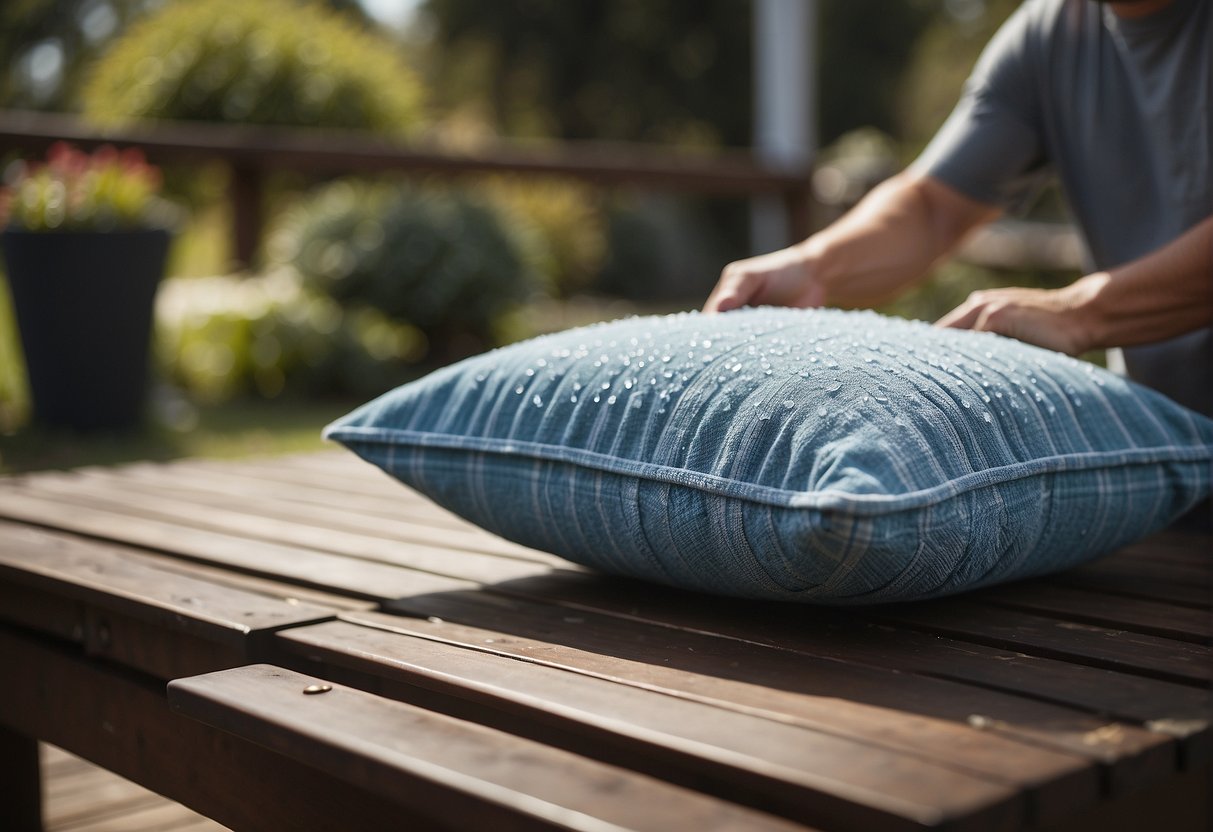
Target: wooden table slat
(190, 514)
(1086, 606)
(290, 487)
(846, 637)
(1137, 563)
(309, 567)
(275, 504)
(1185, 546)
(123, 581)
(1138, 579)
(360, 478)
(472, 776)
(282, 589)
(674, 722)
(1154, 656)
(869, 704)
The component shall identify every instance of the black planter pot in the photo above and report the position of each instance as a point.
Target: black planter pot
(83, 302)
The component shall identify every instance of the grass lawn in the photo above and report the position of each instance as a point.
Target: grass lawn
(235, 429)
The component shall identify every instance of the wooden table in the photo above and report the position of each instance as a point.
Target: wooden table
(341, 654)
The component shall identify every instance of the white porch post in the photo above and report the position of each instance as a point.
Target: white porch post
(785, 103)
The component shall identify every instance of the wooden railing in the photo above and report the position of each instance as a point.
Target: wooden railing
(253, 151)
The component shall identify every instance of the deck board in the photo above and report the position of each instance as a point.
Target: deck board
(82, 797)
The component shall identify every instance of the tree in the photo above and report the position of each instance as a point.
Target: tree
(48, 46)
(655, 70)
(658, 70)
(277, 62)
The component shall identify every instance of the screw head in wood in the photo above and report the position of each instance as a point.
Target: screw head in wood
(312, 690)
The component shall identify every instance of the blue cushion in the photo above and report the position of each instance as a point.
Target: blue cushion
(813, 455)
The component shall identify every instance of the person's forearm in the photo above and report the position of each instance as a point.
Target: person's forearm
(881, 246)
(1161, 295)
(891, 239)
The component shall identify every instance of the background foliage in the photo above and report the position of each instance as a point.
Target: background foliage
(266, 62)
(657, 70)
(437, 259)
(219, 338)
(369, 282)
(47, 47)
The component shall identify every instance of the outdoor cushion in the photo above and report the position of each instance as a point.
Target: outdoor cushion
(811, 455)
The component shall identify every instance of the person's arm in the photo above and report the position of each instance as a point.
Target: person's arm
(1162, 295)
(886, 242)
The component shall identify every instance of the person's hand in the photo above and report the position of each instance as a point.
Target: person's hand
(1050, 318)
(781, 278)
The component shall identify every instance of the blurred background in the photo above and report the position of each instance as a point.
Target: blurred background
(295, 290)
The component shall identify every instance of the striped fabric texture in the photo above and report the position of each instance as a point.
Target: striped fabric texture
(810, 455)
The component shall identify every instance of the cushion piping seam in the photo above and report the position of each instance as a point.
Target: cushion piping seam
(769, 495)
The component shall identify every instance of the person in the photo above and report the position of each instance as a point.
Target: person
(1116, 100)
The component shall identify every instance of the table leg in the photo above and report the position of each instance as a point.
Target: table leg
(20, 773)
(121, 721)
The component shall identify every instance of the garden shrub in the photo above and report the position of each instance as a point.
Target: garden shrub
(370, 285)
(14, 390)
(274, 62)
(438, 260)
(567, 223)
(223, 337)
(661, 248)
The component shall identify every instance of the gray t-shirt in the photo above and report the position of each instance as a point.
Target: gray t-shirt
(1119, 110)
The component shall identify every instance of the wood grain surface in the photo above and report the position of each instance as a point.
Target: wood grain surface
(1027, 706)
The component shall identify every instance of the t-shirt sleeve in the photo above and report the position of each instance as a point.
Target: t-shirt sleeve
(991, 144)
